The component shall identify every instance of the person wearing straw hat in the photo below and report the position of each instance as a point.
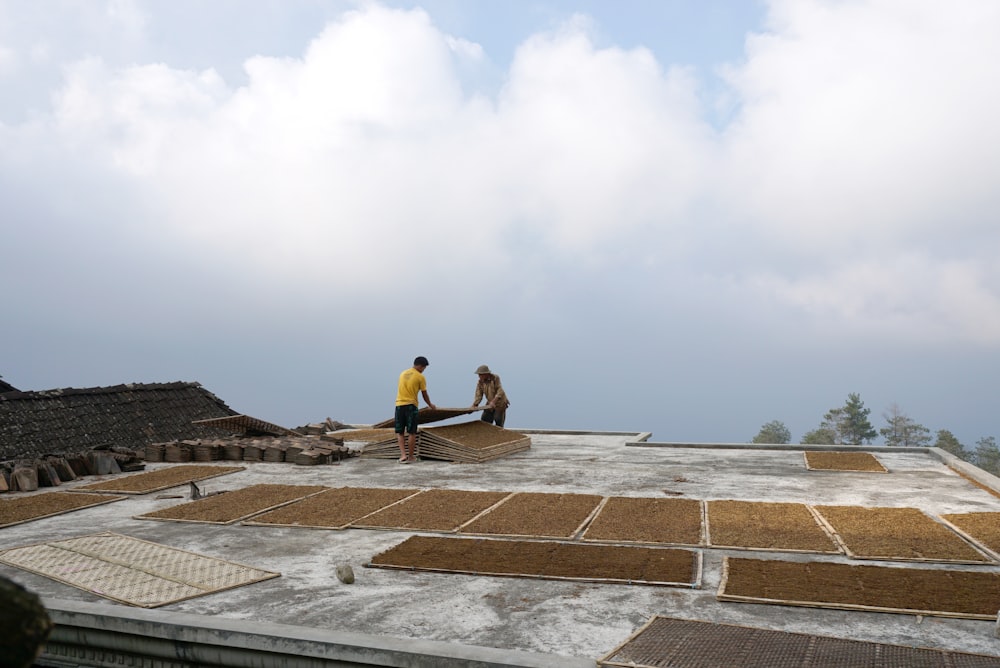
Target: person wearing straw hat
(489, 386)
(411, 382)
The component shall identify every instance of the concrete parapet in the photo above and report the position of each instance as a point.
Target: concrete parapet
(95, 634)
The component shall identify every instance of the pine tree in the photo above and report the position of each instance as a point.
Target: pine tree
(947, 442)
(988, 455)
(900, 430)
(855, 428)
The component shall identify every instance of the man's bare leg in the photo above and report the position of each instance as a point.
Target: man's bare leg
(411, 453)
(401, 439)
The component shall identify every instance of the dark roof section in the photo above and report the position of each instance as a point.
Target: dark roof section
(6, 387)
(132, 415)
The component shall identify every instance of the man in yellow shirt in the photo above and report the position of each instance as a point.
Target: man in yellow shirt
(411, 382)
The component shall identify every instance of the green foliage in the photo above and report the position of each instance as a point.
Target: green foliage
(949, 443)
(847, 424)
(821, 436)
(987, 455)
(774, 431)
(900, 430)
(855, 428)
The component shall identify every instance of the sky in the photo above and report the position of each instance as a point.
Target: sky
(687, 218)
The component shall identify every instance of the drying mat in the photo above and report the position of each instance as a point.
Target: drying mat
(388, 448)
(537, 514)
(916, 591)
(899, 534)
(245, 424)
(667, 642)
(471, 442)
(332, 509)
(636, 520)
(426, 415)
(433, 510)
(983, 528)
(37, 506)
(131, 571)
(756, 525)
(154, 481)
(844, 461)
(363, 435)
(629, 564)
(236, 505)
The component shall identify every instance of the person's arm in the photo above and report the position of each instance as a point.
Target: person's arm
(500, 398)
(479, 394)
(427, 398)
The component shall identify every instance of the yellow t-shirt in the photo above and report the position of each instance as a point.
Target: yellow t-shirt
(411, 382)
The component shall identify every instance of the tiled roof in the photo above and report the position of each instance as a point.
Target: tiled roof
(6, 387)
(132, 415)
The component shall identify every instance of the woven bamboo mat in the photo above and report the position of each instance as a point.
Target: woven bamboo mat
(647, 520)
(843, 461)
(35, 507)
(898, 534)
(131, 571)
(364, 435)
(982, 528)
(471, 442)
(536, 515)
(154, 481)
(916, 591)
(426, 415)
(236, 505)
(333, 509)
(387, 448)
(668, 642)
(756, 525)
(246, 424)
(624, 564)
(433, 510)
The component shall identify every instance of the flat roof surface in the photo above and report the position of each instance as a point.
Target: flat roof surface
(575, 619)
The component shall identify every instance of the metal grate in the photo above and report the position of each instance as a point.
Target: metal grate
(666, 642)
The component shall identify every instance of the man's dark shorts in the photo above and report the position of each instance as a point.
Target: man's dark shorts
(406, 419)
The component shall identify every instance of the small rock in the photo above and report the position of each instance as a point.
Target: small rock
(345, 573)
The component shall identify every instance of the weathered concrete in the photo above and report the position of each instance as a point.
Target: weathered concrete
(562, 619)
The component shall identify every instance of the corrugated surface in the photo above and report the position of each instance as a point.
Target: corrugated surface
(679, 643)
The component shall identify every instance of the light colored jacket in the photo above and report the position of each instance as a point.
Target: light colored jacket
(493, 391)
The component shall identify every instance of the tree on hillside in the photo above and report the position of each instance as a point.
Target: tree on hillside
(987, 455)
(900, 430)
(774, 431)
(855, 428)
(947, 442)
(846, 424)
(830, 428)
(821, 436)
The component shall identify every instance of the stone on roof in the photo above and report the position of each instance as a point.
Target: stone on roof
(131, 416)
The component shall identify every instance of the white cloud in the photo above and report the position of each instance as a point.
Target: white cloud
(909, 298)
(856, 184)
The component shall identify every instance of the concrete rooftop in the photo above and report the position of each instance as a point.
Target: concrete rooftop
(566, 619)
